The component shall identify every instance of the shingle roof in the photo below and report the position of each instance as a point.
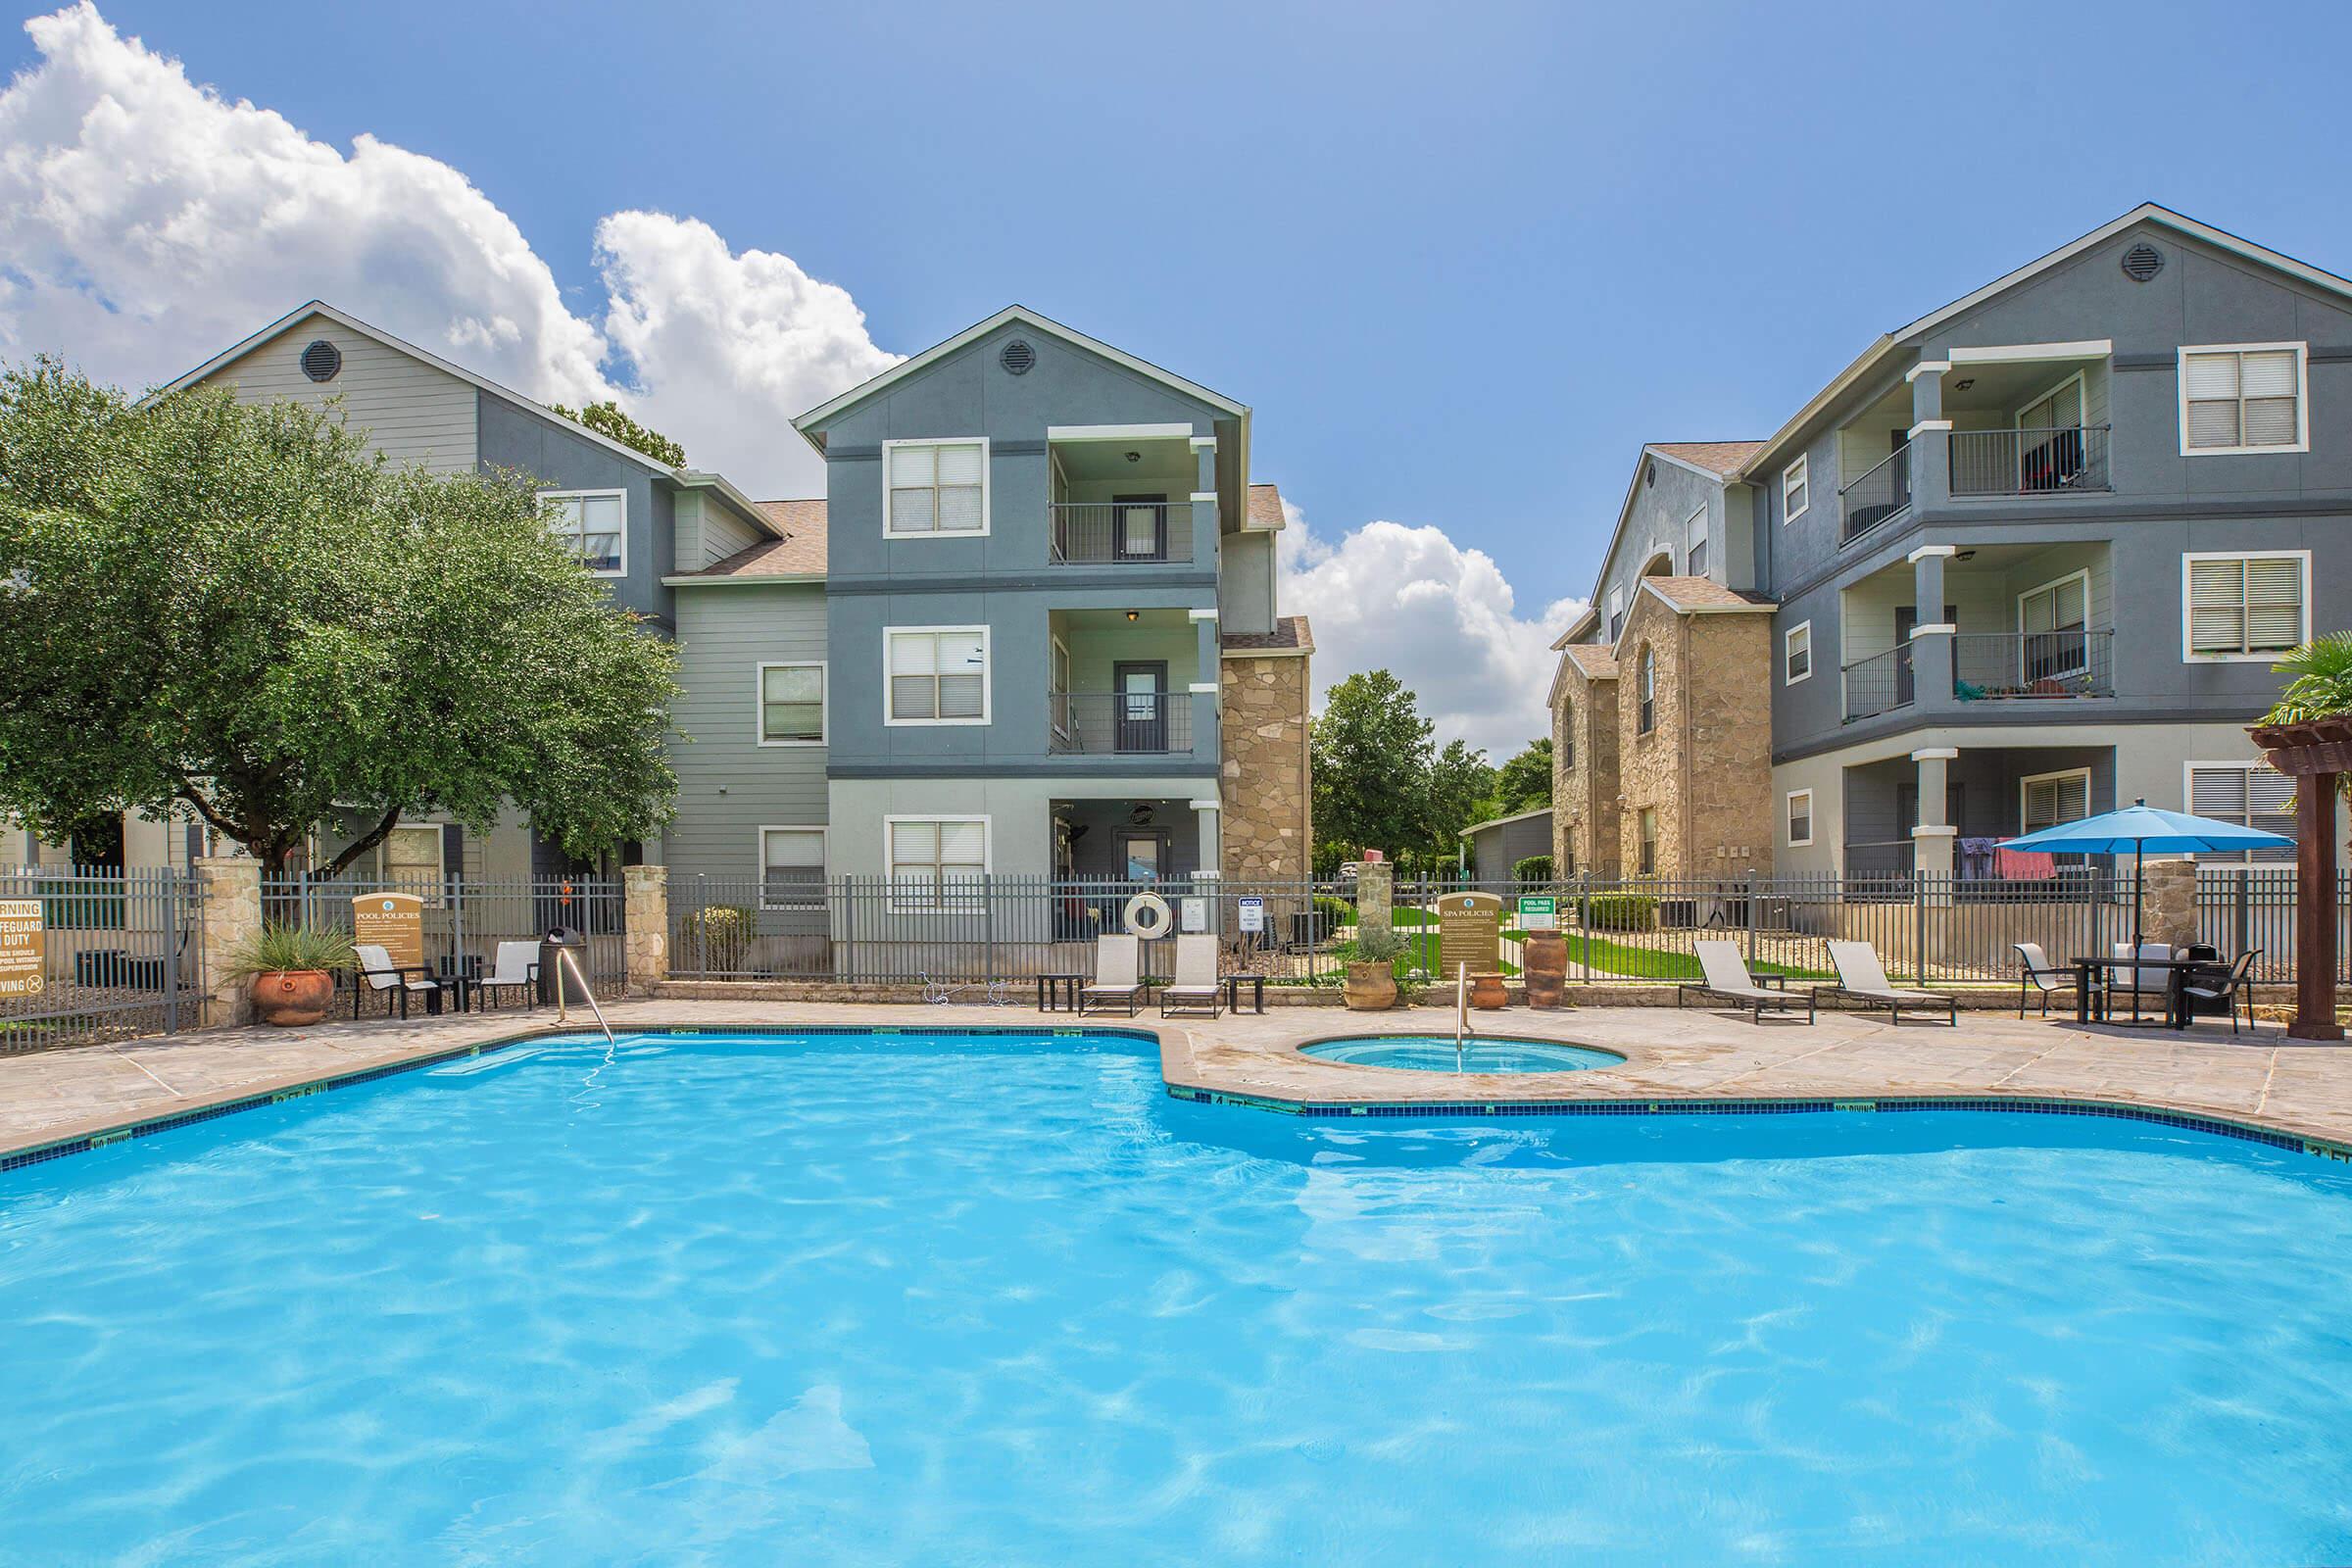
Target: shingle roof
(1716, 456)
(1265, 507)
(1290, 631)
(1703, 593)
(800, 553)
(1596, 661)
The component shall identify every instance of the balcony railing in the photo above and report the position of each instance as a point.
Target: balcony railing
(2075, 663)
(1878, 494)
(2029, 463)
(1122, 723)
(1099, 533)
(1878, 684)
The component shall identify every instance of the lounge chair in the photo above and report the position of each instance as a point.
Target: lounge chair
(516, 968)
(1195, 988)
(1727, 978)
(2037, 973)
(2224, 985)
(1118, 962)
(1862, 977)
(377, 972)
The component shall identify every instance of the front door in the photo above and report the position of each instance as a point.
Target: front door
(1141, 709)
(1139, 527)
(1142, 855)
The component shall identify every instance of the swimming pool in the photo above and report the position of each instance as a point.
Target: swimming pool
(1438, 1053)
(853, 1299)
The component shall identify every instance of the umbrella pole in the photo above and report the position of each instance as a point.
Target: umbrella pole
(2139, 890)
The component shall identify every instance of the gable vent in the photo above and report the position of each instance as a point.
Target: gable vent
(2142, 262)
(322, 360)
(1018, 357)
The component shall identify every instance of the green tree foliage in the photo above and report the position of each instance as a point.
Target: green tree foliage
(606, 418)
(2322, 687)
(241, 611)
(1382, 782)
(1524, 783)
(1460, 781)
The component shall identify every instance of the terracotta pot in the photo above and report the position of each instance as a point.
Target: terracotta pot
(1487, 993)
(289, 996)
(1370, 987)
(1544, 955)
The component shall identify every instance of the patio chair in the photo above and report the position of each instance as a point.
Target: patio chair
(1727, 978)
(1861, 976)
(1119, 968)
(515, 968)
(1195, 988)
(2137, 981)
(2035, 973)
(377, 972)
(2224, 985)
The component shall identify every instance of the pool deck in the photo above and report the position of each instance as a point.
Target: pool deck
(2259, 1080)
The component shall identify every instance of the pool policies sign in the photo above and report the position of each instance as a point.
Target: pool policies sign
(393, 921)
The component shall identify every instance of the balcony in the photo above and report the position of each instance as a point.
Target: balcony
(1881, 493)
(1120, 723)
(1879, 684)
(2034, 666)
(1120, 533)
(2030, 461)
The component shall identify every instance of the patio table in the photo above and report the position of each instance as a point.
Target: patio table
(2176, 1012)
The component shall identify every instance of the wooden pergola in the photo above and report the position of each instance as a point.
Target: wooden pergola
(2316, 756)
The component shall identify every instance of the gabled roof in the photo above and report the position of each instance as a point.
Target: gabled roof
(1498, 821)
(1027, 318)
(1721, 458)
(1704, 595)
(798, 555)
(1265, 508)
(1718, 460)
(1593, 660)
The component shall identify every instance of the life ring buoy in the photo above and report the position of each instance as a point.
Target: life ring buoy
(1147, 915)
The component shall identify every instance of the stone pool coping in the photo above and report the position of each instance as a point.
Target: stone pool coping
(2282, 1092)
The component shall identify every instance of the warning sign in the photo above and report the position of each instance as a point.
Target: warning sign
(23, 948)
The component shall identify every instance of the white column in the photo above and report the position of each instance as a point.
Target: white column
(1204, 816)
(1931, 840)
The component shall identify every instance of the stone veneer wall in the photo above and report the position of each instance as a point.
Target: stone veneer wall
(1584, 814)
(1267, 789)
(1706, 765)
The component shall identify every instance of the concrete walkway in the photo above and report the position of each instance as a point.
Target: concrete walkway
(2262, 1080)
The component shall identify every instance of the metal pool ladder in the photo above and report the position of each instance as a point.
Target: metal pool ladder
(1461, 1012)
(564, 961)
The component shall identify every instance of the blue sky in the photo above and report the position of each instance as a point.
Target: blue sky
(1461, 268)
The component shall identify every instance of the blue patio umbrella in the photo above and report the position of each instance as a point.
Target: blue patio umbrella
(2140, 827)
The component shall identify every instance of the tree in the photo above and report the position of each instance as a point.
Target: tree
(1371, 760)
(606, 418)
(241, 611)
(1460, 780)
(1524, 783)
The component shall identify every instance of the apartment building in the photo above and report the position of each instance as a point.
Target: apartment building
(2029, 555)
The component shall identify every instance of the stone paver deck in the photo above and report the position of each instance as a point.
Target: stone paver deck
(2261, 1078)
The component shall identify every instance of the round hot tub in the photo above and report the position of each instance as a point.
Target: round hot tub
(1436, 1054)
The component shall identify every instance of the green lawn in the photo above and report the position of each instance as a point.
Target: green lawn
(1655, 964)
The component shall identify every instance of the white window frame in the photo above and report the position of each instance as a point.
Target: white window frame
(987, 487)
(2302, 352)
(890, 857)
(622, 496)
(2188, 798)
(1645, 689)
(1697, 519)
(1789, 650)
(1616, 614)
(2082, 575)
(1799, 472)
(824, 836)
(440, 833)
(2031, 779)
(1789, 818)
(825, 701)
(988, 681)
(2188, 650)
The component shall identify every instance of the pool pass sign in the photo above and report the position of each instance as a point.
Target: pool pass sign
(23, 948)
(393, 921)
(1469, 933)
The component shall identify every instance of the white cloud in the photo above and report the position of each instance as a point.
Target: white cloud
(1442, 619)
(147, 223)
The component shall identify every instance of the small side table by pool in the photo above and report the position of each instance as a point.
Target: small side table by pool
(1232, 991)
(1050, 991)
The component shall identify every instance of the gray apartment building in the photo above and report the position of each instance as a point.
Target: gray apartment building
(2028, 557)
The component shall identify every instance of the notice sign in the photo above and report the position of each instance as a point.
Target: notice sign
(1253, 916)
(392, 921)
(1469, 933)
(1539, 913)
(21, 947)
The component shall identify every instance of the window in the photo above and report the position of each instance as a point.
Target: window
(792, 704)
(2051, 619)
(792, 868)
(938, 675)
(1649, 715)
(935, 487)
(2245, 398)
(2049, 799)
(414, 861)
(2244, 607)
(1648, 851)
(1057, 685)
(1800, 818)
(1567, 737)
(2249, 794)
(1694, 534)
(937, 862)
(1796, 653)
(1796, 491)
(595, 524)
(1616, 613)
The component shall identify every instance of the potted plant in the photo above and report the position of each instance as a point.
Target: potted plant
(1371, 984)
(293, 969)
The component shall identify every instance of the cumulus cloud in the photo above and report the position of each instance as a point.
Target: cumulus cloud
(1442, 619)
(147, 222)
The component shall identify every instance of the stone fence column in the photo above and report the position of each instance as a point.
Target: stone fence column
(1375, 887)
(230, 893)
(2167, 903)
(645, 926)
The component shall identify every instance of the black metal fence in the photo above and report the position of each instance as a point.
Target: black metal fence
(1882, 491)
(2252, 910)
(119, 955)
(2018, 462)
(464, 919)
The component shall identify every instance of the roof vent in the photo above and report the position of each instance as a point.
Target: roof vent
(2142, 262)
(322, 360)
(1018, 357)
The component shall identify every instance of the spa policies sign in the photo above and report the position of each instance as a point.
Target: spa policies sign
(1469, 933)
(23, 948)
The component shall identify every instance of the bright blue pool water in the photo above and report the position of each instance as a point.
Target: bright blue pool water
(968, 1301)
(1436, 1054)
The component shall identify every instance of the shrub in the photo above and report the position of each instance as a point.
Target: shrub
(282, 946)
(1622, 911)
(718, 937)
(1333, 912)
(1533, 872)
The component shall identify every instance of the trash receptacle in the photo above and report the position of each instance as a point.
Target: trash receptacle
(552, 944)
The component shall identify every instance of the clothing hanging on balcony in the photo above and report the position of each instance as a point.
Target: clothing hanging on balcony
(2024, 865)
(1975, 858)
